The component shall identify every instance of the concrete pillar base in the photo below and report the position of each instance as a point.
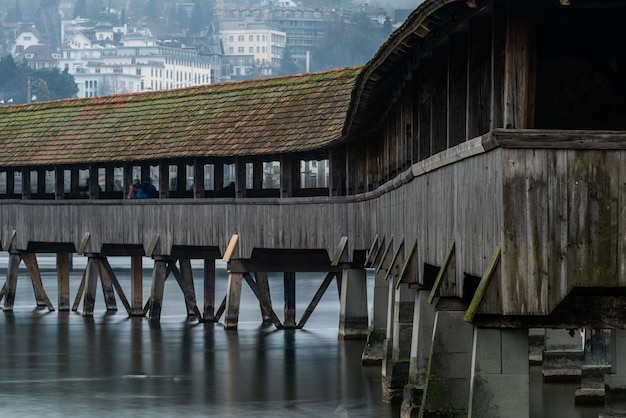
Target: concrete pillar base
(373, 351)
(447, 387)
(353, 321)
(500, 385)
(411, 401)
(395, 375)
(591, 390)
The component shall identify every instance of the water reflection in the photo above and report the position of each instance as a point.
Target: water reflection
(109, 365)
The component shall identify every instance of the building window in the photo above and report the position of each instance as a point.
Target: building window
(251, 38)
(240, 38)
(240, 49)
(231, 38)
(231, 50)
(28, 38)
(138, 71)
(251, 50)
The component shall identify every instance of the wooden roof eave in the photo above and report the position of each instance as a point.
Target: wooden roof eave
(419, 24)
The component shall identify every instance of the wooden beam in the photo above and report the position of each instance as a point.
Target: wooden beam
(156, 291)
(289, 285)
(447, 262)
(520, 65)
(11, 282)
(482, 286)
(91, 282)
(30, 261)
(136, 284)
(316, 299)
(107, 271)
(79, 293)
(264, 301)
(209, 289)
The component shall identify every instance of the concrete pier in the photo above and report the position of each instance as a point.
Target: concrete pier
(563, 355)
(353, 321)
(500, 374)
(421, 342)
(447, 388)
(397, 346)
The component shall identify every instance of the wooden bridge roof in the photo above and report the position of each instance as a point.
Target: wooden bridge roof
(297, 113)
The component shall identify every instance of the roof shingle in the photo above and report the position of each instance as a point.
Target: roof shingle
(296, 113)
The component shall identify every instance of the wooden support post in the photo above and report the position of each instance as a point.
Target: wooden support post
(107, 271)
(289, 282)
(264, 289)
(266, 309)
(288, 181)
(221, 309)
(198, 178)
(145, 172)
(479, 77)
(74, 181)
(233, 299)
(59, 185)
(41, 181)
(11, 282)
(156, 292)
(30, 261)
(10, 182)
(181, 177)
(63, 281)
(218, 176)
(26, 192)
(457, 89)
(519, 66)
(79, 293)
(128, 179)
(209, 289)
(136, 285)
(257, 176)
(164, 180)
(337, 171)
(109, 178)
(91, 284)
(240, 177)
(316, 299)
(107, 287)
(94, 187)
(185, 281)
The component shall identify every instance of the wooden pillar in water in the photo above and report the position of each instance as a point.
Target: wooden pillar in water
(233, 299)
(136, 284)
(63, 281)
(91, 284)
(289, 283)
(209, 289)
(156, 292)
(107, 288)
(11, 282)
(264, 289)
(186, 284)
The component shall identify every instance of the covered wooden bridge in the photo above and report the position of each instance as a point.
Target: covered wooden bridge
(476, 163)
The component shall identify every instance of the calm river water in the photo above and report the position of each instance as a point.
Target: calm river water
(60, 364)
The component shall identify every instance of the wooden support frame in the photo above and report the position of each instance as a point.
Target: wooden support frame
(30, 261)
(410, 266)
(184, 278)
(490, 271)
(106, 273)
(384, 262)
(265, 302)
(209, 290)
(395, 261)
(316, 299)
(443, 271)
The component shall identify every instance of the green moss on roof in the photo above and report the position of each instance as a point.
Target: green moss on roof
(296, 113)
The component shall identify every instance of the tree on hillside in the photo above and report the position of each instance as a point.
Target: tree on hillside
(46, 84)
(48, 21)
(287, 64)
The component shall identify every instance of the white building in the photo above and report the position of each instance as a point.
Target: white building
(26, 38)
(134, 63)
(252, 47)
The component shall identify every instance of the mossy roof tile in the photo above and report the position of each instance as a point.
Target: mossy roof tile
(297, 113)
